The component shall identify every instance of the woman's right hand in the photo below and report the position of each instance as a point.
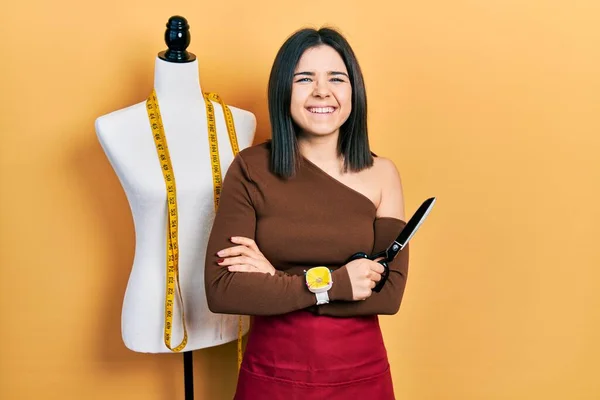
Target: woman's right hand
(364, 275)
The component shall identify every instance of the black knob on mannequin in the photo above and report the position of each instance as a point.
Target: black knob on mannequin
(177, 38)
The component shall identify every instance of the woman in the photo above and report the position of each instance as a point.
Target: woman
(312, 196)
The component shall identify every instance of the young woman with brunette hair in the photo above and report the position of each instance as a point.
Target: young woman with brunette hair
(309, 198)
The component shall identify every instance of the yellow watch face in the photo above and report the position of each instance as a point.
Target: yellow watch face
(318, 277)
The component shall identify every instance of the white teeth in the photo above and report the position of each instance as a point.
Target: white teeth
(321, 110)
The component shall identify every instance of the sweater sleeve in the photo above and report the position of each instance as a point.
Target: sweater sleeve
(250, 293)
(388, 300)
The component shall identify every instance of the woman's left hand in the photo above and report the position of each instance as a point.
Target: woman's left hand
(246, 257)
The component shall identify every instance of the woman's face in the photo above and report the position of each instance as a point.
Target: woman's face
(321, 92)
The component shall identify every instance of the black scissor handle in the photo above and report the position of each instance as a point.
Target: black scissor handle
(386, 269)
(357, 256)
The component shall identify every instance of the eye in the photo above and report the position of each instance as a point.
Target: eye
(304, 80)
(337, 80)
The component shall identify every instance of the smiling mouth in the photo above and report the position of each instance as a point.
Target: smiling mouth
(321, 110)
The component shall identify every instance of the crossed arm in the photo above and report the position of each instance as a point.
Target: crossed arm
(240, 280)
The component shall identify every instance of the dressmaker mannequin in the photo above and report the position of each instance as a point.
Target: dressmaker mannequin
(126, 137)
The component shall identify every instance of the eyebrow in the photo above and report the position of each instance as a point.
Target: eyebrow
(329, 73)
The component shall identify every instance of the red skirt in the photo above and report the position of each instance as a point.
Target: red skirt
(303, 356)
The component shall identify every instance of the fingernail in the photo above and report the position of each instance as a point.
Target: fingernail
(220, 260)
(220, 253)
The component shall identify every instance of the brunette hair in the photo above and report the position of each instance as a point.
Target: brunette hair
(353, 141)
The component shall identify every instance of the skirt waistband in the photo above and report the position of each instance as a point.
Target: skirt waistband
(306, 348)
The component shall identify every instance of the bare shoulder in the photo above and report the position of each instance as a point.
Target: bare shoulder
(390, 182)
(385, 166)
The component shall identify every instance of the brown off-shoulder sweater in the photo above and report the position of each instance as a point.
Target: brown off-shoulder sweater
(309, 220)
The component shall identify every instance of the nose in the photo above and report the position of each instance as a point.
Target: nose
(321, 88)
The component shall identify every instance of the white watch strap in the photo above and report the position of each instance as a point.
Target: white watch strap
(322, 298)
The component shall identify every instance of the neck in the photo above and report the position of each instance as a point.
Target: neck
(320, 150)
(176, 80)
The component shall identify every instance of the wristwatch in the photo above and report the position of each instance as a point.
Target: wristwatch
(318, 280)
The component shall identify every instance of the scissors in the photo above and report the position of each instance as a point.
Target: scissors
(397, 245)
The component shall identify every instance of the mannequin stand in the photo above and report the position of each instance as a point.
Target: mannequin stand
(125, 138)
(188, 375)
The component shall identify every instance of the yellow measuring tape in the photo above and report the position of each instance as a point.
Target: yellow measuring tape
(172, 248)
(216, 169)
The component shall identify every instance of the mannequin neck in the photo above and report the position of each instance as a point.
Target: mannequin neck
(177, 80)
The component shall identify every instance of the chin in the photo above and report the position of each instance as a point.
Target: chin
(314, 131)
(321, 129)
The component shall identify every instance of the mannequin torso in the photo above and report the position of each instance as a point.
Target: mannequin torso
(126, 137)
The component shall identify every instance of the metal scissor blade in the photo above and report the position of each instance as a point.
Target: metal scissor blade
(410, 228)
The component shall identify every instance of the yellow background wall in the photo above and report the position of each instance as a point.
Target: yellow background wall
(492, 106)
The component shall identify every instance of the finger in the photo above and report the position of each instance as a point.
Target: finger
(237, 260)
(372, 284)
(375, 277)
(237, 251)
(376, 267)
(242, 268)
(246, 242)
(258, 265)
